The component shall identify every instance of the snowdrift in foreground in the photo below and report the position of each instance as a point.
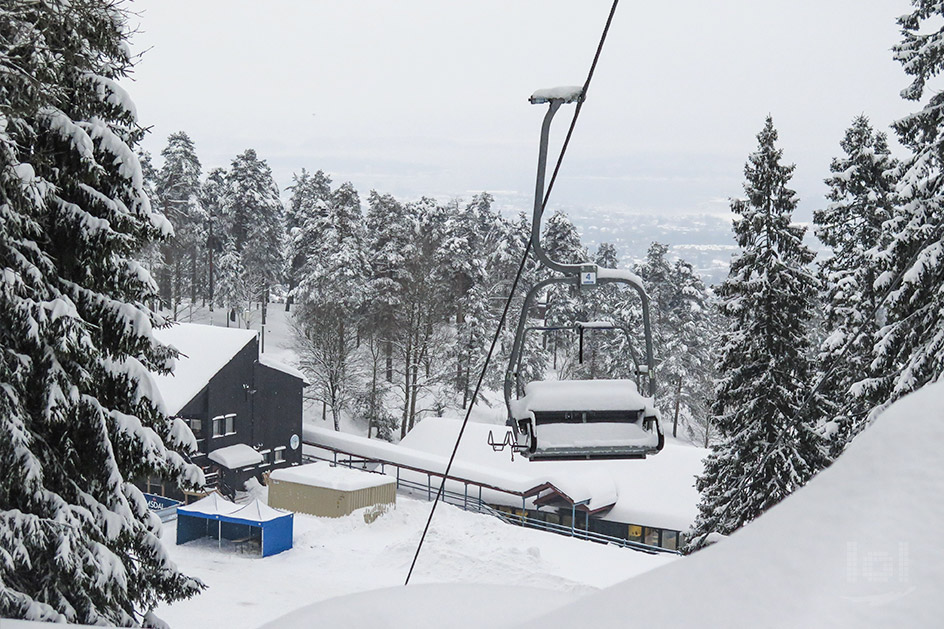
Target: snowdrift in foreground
(859, 546)
(430, 606)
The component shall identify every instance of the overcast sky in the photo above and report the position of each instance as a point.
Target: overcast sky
(417, 97)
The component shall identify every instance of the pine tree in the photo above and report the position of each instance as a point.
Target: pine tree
(212, 193)
(561, 242)
(769, 447)
(77, 420)
(682, 339)
(305, 221)
(255, 221)
(861, 191)
(179, 197)
(910, 346)
(331, 298)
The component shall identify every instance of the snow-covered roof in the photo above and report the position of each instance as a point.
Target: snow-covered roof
(212, 504)
(406, 456)
(567, 93)
(578, 395)
(658, 491)
(258, 511)
(204, 350)
(236, 456)
(331, 477)
(272, 363)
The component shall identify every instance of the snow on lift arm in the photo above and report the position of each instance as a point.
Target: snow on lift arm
(566, 93)
(621, 274)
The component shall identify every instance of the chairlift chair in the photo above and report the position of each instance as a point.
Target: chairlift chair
(578, 419)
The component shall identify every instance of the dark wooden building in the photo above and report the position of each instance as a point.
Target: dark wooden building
(245, 410)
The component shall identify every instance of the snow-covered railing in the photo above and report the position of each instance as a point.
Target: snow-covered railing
(475, 503)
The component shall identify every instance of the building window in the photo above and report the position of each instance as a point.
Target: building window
(634, 533)
(652, 537)
(155, 485)
(224, 425)
(670, 540)
(279, 454)
(196, 425)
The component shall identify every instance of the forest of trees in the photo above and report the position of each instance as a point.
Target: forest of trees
(394, 303)
(777, 369)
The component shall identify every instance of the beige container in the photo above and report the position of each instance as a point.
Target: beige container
(323, 490)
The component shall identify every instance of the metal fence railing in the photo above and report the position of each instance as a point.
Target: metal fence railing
(473, 501)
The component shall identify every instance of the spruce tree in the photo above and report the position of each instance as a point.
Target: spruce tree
(305, 217)
(769, 447)
(862, 192)
(79, 420)
(331, 297)
(179, 198)
(910, 346)
(255, 220)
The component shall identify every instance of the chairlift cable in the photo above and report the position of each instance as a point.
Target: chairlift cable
(511, 293)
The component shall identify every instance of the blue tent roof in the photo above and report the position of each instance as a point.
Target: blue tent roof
(193, 522)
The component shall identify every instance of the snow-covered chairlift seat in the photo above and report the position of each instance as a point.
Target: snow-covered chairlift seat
(587, 419)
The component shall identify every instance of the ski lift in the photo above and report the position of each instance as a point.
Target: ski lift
(578, 419)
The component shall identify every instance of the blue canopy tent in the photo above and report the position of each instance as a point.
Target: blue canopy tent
(255, 525)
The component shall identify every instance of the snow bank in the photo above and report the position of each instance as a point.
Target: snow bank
(431, 606)
(205, 349)
(859, 546)
(331, 477)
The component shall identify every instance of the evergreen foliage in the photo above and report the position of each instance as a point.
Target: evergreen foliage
(77, 420)
(254, 225)
(770, 448)
(862, 195)
(178, 196)
(683, 333)
(909, 351)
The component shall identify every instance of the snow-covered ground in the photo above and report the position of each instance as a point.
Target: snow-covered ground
(335, 557)
(859, 546)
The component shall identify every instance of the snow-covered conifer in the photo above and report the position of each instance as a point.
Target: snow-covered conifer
(769, 446)
(304, 221)
(331, 297)
(255, 221)
(78, 416)
(179, 198)
(910, 346)
(861, 191)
